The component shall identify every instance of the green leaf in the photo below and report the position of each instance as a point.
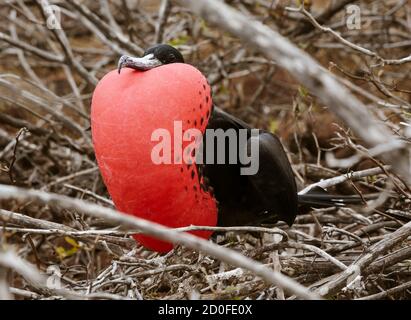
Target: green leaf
(303, 91)
(179, 41)
(65, 253)
(273, 126)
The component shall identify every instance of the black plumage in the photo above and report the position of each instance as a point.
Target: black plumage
(267, 196)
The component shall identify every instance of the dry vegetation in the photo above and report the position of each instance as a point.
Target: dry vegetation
(46, 80)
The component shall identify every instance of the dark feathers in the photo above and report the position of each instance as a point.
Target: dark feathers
(267, 196)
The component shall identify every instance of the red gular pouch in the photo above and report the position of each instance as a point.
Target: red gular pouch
(130, 114)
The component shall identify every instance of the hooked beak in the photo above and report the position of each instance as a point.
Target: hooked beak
(145, 63)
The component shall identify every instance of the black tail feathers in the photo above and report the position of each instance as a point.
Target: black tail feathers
(318, 197)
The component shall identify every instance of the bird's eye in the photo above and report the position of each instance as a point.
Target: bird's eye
(171, 57)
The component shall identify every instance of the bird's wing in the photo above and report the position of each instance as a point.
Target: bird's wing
(274, 181)
(221, 119)
(272, 188)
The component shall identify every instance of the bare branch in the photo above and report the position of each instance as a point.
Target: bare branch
(340, 179)
(365, 260)
(161, 232)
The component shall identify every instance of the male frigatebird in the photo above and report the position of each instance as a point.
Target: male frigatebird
(152, 93)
